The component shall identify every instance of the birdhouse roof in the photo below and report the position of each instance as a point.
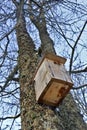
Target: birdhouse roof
(54, 58)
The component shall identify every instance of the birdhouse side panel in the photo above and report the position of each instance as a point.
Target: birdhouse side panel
(42, 78)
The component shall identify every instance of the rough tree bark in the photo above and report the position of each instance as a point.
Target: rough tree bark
(39, 21)
(35, 116)
(68, 109)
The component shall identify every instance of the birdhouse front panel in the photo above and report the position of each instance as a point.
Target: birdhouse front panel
(58, 71)
(52, 82)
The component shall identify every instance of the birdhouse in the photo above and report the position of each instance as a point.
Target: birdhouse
(52, 82)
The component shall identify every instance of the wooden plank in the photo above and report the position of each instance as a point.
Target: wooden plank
(42, 78)
(56, 59)
(58, 71)
(70, 84)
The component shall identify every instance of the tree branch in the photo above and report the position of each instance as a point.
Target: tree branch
(82, 86)
(10, 77)
(10, 117)
(16, 79)
(62, 33)
(36, 3)
(79, 71)
(73, 49)
(15, 3)
(7, 33)
(5, 51)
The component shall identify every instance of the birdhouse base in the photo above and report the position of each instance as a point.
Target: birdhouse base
(55, 92)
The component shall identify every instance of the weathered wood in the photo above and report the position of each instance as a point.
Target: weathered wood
(52, 83)
(54, 92)
(55, 58)
(52, 57)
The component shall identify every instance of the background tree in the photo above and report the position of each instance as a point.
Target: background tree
(56, 23)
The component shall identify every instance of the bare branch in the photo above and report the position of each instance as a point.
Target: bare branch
(10, 77)
(16, 79)
(7, 33)
(73, 49)
(10, 117)
(63, 35)
(79, 71)
(36, 3)
(82, 86)
(5, 51)
(15, 2)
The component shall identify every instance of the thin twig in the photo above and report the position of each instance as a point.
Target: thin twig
(80, 87)
(73, 49)
(78, 71)
(7, 34)
(10, 77)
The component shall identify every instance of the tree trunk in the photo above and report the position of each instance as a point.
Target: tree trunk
(69, 113)
(35, 116)
(47, 44)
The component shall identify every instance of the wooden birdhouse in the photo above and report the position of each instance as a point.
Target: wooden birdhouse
(52, 82)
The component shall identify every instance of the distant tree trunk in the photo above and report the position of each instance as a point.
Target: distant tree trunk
(35, 116)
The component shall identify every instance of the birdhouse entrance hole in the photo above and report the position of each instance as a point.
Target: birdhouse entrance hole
(52, 82)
